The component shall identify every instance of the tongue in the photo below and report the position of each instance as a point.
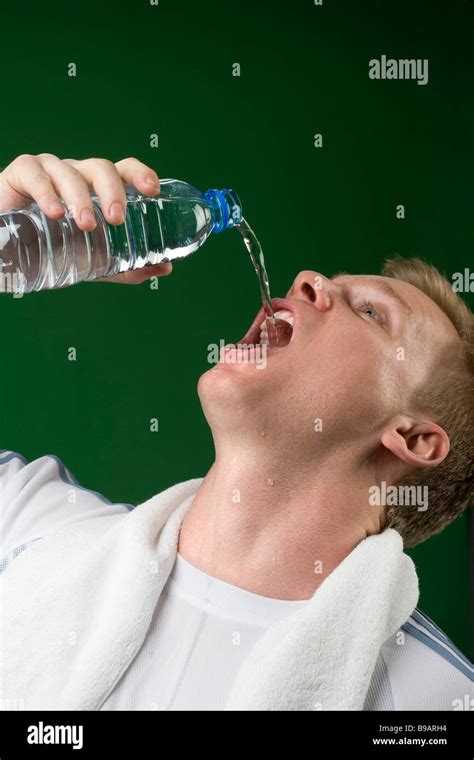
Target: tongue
(284, 331)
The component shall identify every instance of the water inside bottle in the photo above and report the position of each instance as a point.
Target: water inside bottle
(258, 260)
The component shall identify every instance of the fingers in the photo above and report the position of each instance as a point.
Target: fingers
(101, 174)
(26, 179)
(45, 178)
(135, 173)
(71, 185)
(108, 180)
(137, 276)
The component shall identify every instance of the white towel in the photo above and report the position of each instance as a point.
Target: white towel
(77, 605)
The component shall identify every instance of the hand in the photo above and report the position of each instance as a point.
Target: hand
(45, 177)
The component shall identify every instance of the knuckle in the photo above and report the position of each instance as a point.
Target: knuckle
(22, 159)
(128, 160)
(48, 155)
(104, 163)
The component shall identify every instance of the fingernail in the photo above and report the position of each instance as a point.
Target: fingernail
(152, 181)
(55, 207)
(87, 217)
(117, 211)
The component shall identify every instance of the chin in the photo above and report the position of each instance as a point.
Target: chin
(231, 385)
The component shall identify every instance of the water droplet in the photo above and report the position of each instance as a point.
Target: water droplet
(270, 481)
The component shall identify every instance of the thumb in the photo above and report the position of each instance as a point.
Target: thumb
(137, 276)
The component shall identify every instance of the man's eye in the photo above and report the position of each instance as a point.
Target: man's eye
(369, 309)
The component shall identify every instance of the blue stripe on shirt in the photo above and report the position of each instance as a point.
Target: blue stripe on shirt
(441, 650)
(67, 478)
(422, 619)
(8, 558)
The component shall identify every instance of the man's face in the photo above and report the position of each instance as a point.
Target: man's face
(359, 348)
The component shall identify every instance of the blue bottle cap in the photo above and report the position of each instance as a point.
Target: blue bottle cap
(228, 207)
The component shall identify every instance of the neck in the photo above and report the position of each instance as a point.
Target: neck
(274, 526)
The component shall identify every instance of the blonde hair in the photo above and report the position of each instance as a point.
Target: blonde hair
(449, 399)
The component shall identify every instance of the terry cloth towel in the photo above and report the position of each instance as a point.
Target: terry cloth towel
(76, 607)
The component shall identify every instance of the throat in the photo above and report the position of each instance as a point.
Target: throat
(275, 536)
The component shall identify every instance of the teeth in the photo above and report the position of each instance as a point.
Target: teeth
(284, 315)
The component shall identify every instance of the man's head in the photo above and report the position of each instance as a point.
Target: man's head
(378, 369)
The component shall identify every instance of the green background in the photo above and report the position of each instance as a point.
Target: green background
(167, 69)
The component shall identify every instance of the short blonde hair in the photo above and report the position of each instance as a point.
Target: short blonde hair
(449, 399)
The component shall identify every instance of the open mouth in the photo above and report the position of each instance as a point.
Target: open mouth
(275, 335)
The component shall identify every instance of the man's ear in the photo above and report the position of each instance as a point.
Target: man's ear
(420, 443)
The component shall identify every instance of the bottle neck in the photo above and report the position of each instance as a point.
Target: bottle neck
(226, 209)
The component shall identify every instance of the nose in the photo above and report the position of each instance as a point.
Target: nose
(312, 286)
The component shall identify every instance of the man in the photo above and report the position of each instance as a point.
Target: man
(279, 580)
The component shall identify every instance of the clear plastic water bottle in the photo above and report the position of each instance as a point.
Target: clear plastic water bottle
(38, 253)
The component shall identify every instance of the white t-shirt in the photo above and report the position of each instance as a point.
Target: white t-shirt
(202, 627)
(201, 631)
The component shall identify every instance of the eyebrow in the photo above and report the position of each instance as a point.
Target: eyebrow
(387, 289)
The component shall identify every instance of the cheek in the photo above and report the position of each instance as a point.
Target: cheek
(341, 355)
(349, 368)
